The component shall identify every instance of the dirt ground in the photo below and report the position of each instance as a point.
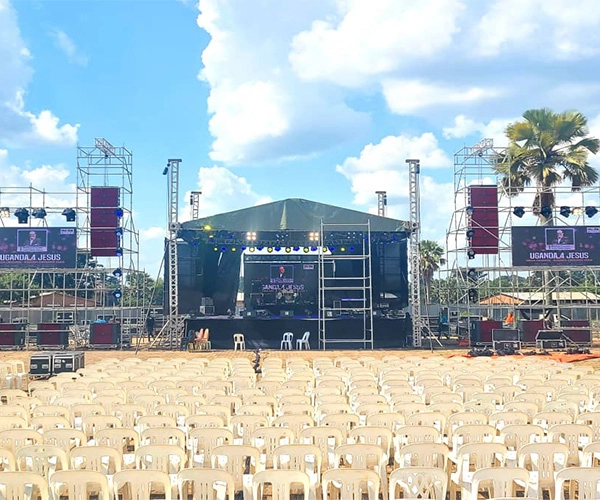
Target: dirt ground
(92, 356)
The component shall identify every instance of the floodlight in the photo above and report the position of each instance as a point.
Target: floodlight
(565, 211)
(119, 252)
(519, 212)
(546, 211)
(39, 213)
(69, 214)
(119, 231)
(470, 232)
(117, 294)
(471, 253)
(591, 211)
(469, 210)
(251, 236)
(22, 214)
(117, 273)
(472, 274)
(4, 212)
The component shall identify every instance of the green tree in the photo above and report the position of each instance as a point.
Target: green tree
(141, 290)
(546, 149)
(431, 255)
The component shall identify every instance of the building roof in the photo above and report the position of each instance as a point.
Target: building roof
(293, 214)
(59, 299)
(519, 298)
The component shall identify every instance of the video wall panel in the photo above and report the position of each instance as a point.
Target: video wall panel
(38, 247)
(571, 246)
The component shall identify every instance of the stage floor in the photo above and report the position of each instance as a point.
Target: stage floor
(266, 333)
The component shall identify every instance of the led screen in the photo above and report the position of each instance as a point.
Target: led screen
(39, 247)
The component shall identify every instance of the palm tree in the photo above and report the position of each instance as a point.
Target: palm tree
(545, 149)
(431, 259)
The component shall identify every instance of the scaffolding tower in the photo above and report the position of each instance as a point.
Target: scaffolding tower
(343, 295)
(93, 288)
(488, 286)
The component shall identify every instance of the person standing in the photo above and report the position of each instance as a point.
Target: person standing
(150, 327)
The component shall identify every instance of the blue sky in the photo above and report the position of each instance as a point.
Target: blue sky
(270, 99)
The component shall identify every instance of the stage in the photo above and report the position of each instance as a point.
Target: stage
(266, 333)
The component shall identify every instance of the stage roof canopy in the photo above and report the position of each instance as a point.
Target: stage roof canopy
(293, 214)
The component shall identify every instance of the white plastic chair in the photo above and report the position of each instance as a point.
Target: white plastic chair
(303, 343)
(287, 341)
(239, 343)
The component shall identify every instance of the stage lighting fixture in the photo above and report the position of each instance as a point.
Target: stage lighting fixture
(117, 273)
(469, 210)
(207, 227)
(119, 212)
(288, 249)
(39, 213)
(591, 211)
(565, 211)
(223, 249)
(251, 236)
(546, 211)
(472, 274)
(277, 249)
(352, 249)
(470, 232)
(313, 249)
(216, 249)
(166, 170)
(119, 231)
(4, 212)
(306, 249)
(471, 253)
(313, 236)
(119, 252)
(342, 249)
(578, 211)
(22, 215)
(117, 294)
(251, 249)
(331, 249)
(296, 249)
(270, 249)
(519, 212)
(69, 214)
(473, 296)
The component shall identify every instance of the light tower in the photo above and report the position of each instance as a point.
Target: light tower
(381, 202)
(415, 254)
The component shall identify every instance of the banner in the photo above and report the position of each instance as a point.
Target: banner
(555, 246)
(38, 247)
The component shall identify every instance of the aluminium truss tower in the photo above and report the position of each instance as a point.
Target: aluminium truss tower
(415, 254)
(174, 326)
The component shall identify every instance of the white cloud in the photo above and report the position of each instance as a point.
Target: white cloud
(223, 191)
(364, 39)
(465, 127)
(244, 115)
(409, 96)
(383, 167)
(66, 45)
(260, 110)
(557, 29)
(20, 127)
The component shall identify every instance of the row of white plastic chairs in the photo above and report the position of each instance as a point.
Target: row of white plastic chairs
(418, 482)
